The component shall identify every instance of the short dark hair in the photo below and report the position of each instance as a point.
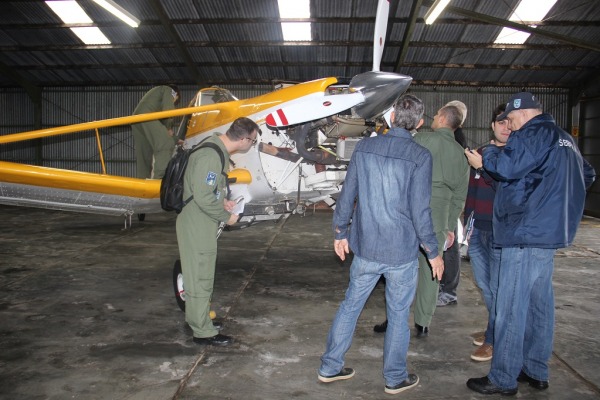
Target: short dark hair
(497, 111)
(408, 111)
(241, 128)
(453, 116)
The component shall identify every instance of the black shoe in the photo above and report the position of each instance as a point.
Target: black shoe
(382, 327)
(408, 383)
(422, 331)
(218, 325)
(534, 383)
(345, 373)
(141, 217)
(217, 340)
(484, 386)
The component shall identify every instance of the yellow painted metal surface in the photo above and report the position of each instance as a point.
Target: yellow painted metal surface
(208, 119)
(80, 181)
(90, 182)
(105, 123)
(240, 175)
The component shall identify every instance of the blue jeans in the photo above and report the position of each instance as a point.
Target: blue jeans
(485, 262)
(524, 316)
(400, 287)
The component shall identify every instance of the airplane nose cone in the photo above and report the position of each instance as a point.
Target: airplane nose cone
(381, 90)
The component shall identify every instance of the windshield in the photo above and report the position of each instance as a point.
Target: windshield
(213, 95)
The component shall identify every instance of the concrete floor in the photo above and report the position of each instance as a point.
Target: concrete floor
(87, 312)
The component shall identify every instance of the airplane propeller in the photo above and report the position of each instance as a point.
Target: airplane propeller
(381, 18)
(370, 94)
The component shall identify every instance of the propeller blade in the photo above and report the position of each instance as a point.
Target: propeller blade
(381, 21)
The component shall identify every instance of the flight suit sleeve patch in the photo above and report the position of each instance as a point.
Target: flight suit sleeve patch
(211, 178)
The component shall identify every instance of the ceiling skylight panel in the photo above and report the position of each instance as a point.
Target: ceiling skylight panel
(91, 35)
(70, 12)
(295, 31)
(528, 10)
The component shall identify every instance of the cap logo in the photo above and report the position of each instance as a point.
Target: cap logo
(517, 103)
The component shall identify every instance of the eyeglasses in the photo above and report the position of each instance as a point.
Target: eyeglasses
(252, 140)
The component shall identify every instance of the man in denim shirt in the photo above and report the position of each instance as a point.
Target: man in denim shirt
(389, 179)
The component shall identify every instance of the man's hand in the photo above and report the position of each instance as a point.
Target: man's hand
(449, 240)
(474, 159)
(437, 267)
(341, 248)
(228, 205)
(233, 218)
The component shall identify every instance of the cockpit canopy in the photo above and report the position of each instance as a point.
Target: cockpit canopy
(213, 95)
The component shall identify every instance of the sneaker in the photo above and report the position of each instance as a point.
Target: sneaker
(445, 299)
(345, 373)
(408, 383)
(478, 338)
(483, 353)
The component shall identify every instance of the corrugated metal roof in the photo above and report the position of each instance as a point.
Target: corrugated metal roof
(238, 41)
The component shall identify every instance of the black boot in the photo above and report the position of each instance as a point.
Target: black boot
(381, 328)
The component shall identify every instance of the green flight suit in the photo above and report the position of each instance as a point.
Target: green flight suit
(197, 226)
(450, 181)
(152, 140)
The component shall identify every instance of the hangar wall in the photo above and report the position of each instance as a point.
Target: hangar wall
(589, 143)
(71, 105)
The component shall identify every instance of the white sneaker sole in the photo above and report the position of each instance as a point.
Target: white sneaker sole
(335, 378)
(477, 358)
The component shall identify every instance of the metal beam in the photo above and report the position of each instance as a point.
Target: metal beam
(408, 32)
(270, 81)
(361, 64)
(337, 43)
(524, 28)
(266, 20)
(179, 45)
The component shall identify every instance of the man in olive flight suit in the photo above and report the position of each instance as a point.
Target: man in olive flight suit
(154, 139)
(199, 220)
(450, 181)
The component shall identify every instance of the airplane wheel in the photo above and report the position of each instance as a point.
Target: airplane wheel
(178, 285)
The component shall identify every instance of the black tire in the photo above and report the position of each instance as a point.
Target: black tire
(178, 285)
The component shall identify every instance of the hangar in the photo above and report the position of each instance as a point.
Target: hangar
(78, 293)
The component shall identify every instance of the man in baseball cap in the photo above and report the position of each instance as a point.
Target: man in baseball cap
(520, 101)
(537, 209)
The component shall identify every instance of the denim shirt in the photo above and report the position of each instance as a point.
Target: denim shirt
(389, 177)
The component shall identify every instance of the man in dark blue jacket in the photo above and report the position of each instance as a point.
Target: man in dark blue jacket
(538, 206)
(389, 180)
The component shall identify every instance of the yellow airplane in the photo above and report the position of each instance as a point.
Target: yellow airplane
(308, 133)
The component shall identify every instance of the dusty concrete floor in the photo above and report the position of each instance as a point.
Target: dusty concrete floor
(87, 312)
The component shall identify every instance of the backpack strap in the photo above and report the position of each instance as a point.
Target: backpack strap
(216, 148)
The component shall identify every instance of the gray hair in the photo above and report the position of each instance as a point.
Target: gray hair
(453, 116)
(408, 111)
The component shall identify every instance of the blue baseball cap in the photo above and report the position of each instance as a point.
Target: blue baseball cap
(520, 101)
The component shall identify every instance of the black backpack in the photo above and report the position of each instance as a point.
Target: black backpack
(171, 186)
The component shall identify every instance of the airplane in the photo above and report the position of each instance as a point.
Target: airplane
(308, 133)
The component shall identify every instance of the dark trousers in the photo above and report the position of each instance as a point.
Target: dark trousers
(451, 276)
